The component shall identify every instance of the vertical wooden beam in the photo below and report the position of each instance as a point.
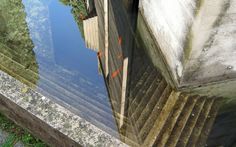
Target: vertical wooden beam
(106, 36)
(123, 91)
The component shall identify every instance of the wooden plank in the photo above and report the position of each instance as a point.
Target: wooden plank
(91, 33)
(106, 36)
(123, 94)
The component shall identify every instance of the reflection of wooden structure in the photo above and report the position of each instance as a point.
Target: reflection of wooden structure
(66, 87)
(17, 57)
(152, 113)
(90, 5)
(161, 116)
(91, 33)
(113, 59)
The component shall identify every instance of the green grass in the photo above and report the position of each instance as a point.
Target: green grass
(18, 134)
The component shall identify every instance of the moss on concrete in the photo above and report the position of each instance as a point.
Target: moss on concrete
(188, 46)
(199, 4)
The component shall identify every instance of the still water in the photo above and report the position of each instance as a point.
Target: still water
(42, 44)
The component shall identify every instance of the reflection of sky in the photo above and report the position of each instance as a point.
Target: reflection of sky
(70, 51)
(68, 71)
(38, 21)
(57, 38)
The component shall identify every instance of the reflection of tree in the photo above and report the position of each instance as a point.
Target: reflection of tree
(65, 2)
(78, 10)
(16, 48)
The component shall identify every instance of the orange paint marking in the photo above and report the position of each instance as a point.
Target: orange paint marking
(120, 40)
(116, 73)
(99, 54)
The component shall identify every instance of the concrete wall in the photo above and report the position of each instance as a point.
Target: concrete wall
(146, 41)
(196, 38)
(169, 22)
(213, 45)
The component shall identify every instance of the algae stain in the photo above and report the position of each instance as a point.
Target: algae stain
(217, 23)
(188, 47)
(67, 125)
(199, 4)
(189, 39)
(224, 9)
(24, 89)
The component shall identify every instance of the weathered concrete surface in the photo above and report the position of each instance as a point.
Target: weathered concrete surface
(196, 39)
(147, 41)
(169, 22)
(213, 47)
(47, 120)
(225, 89)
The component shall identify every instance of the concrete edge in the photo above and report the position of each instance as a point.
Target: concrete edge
(46, 119)
(170, 77)
(226, 90)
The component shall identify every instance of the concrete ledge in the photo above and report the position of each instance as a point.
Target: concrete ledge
(47, 120)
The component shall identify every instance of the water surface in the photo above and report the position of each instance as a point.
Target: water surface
(42, 45)
(44, 48)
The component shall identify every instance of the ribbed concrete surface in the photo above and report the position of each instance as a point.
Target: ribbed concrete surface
(161, 116)
(157, 115)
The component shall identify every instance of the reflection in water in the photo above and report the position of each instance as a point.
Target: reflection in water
(38, 21)
(154, 113)
(45, 32)
(78, 10)
(3, 26)
(224, 129)
(40, 44)
(16, 47)
(69, 75)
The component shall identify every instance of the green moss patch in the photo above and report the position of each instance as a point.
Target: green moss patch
(17, 134)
